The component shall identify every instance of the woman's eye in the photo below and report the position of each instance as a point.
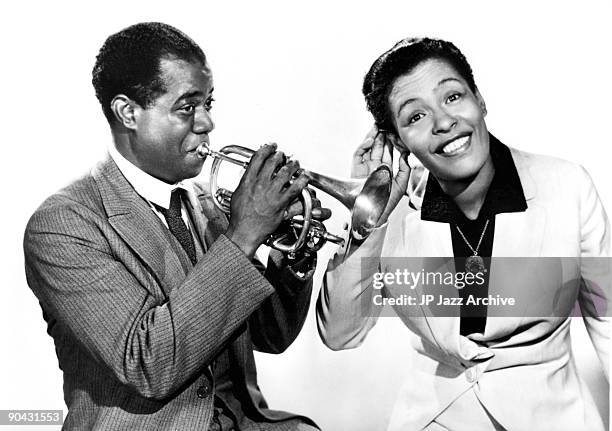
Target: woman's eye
(188, 109)
(453, 97)
(415, 118)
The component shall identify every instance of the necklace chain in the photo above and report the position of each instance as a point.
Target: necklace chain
(475, 251)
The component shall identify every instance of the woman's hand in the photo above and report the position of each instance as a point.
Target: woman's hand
(377, 149)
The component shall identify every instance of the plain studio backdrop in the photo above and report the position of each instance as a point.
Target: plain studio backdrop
(289, 73)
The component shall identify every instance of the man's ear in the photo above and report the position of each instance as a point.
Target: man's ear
(124, 110)
(481, 103)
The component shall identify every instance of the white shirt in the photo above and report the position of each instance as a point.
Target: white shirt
(154, 191)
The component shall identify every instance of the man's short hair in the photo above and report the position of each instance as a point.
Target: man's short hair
(401, 59)
(129, 62)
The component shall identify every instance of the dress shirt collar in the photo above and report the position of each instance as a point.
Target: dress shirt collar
(505, 192)
(153, 190)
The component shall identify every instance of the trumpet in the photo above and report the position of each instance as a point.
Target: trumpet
(365, 198)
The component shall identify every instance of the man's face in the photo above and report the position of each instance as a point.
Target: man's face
(176, 123)
(440, 120)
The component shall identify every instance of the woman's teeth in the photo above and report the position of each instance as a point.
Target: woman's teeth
(456, 145)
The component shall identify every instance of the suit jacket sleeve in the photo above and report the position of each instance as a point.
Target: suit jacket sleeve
(151, 345)
(275, 324)
(279, 319)
(594, 295)
(344, 309)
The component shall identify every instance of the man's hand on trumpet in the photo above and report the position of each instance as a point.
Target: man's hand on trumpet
(267, 195)
(318, 212)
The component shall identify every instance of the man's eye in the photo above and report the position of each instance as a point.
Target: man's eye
(208, 104)
(415, 118)
(453, 97)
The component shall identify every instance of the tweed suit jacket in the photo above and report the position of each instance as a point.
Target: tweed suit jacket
(521, 368)
(136, 327)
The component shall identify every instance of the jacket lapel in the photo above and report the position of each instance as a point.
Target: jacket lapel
(431, 241)
(521, 234)
(140, 228)
(444, 329)
(516, 235)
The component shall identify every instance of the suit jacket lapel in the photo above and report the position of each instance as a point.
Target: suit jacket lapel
(516, 235)
(429, 239)
(443, 328)
(521, 234)
(132, 218)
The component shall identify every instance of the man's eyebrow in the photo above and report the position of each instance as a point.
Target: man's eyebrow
(188, 94)
(193, 93)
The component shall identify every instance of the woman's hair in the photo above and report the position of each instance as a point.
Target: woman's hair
(401, 59)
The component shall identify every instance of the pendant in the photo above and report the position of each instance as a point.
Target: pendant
(474, 264)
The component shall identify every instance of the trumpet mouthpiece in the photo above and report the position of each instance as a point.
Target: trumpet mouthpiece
(203, 151)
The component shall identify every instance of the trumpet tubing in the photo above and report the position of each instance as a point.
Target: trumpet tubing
(366, 198)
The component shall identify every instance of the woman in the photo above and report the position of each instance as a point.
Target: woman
(473, 369)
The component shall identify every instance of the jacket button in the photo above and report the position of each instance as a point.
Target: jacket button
(203, 391)
(471, 375)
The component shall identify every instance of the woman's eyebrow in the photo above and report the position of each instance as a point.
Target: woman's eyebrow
(405, 103)
(445, 80)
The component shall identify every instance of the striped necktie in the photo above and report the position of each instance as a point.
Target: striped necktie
(177, 225)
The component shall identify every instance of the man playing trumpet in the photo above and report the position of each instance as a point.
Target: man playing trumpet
(154, 300)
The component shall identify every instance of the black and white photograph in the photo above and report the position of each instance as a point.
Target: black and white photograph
(282, 216)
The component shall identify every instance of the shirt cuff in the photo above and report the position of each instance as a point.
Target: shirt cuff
(301, 267)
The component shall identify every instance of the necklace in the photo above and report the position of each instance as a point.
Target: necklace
(474, 263)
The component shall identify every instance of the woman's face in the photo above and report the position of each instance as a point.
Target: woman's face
(440, 120)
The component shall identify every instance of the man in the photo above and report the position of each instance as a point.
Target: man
(154, 301)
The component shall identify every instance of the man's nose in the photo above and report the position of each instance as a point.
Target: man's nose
(444, 122)
(203, 122)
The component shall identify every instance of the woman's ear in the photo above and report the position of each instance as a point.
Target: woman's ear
(124, 110)
(395, 140)
(481, 102)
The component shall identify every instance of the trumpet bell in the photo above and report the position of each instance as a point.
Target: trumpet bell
(366, 199)
(371, 202)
